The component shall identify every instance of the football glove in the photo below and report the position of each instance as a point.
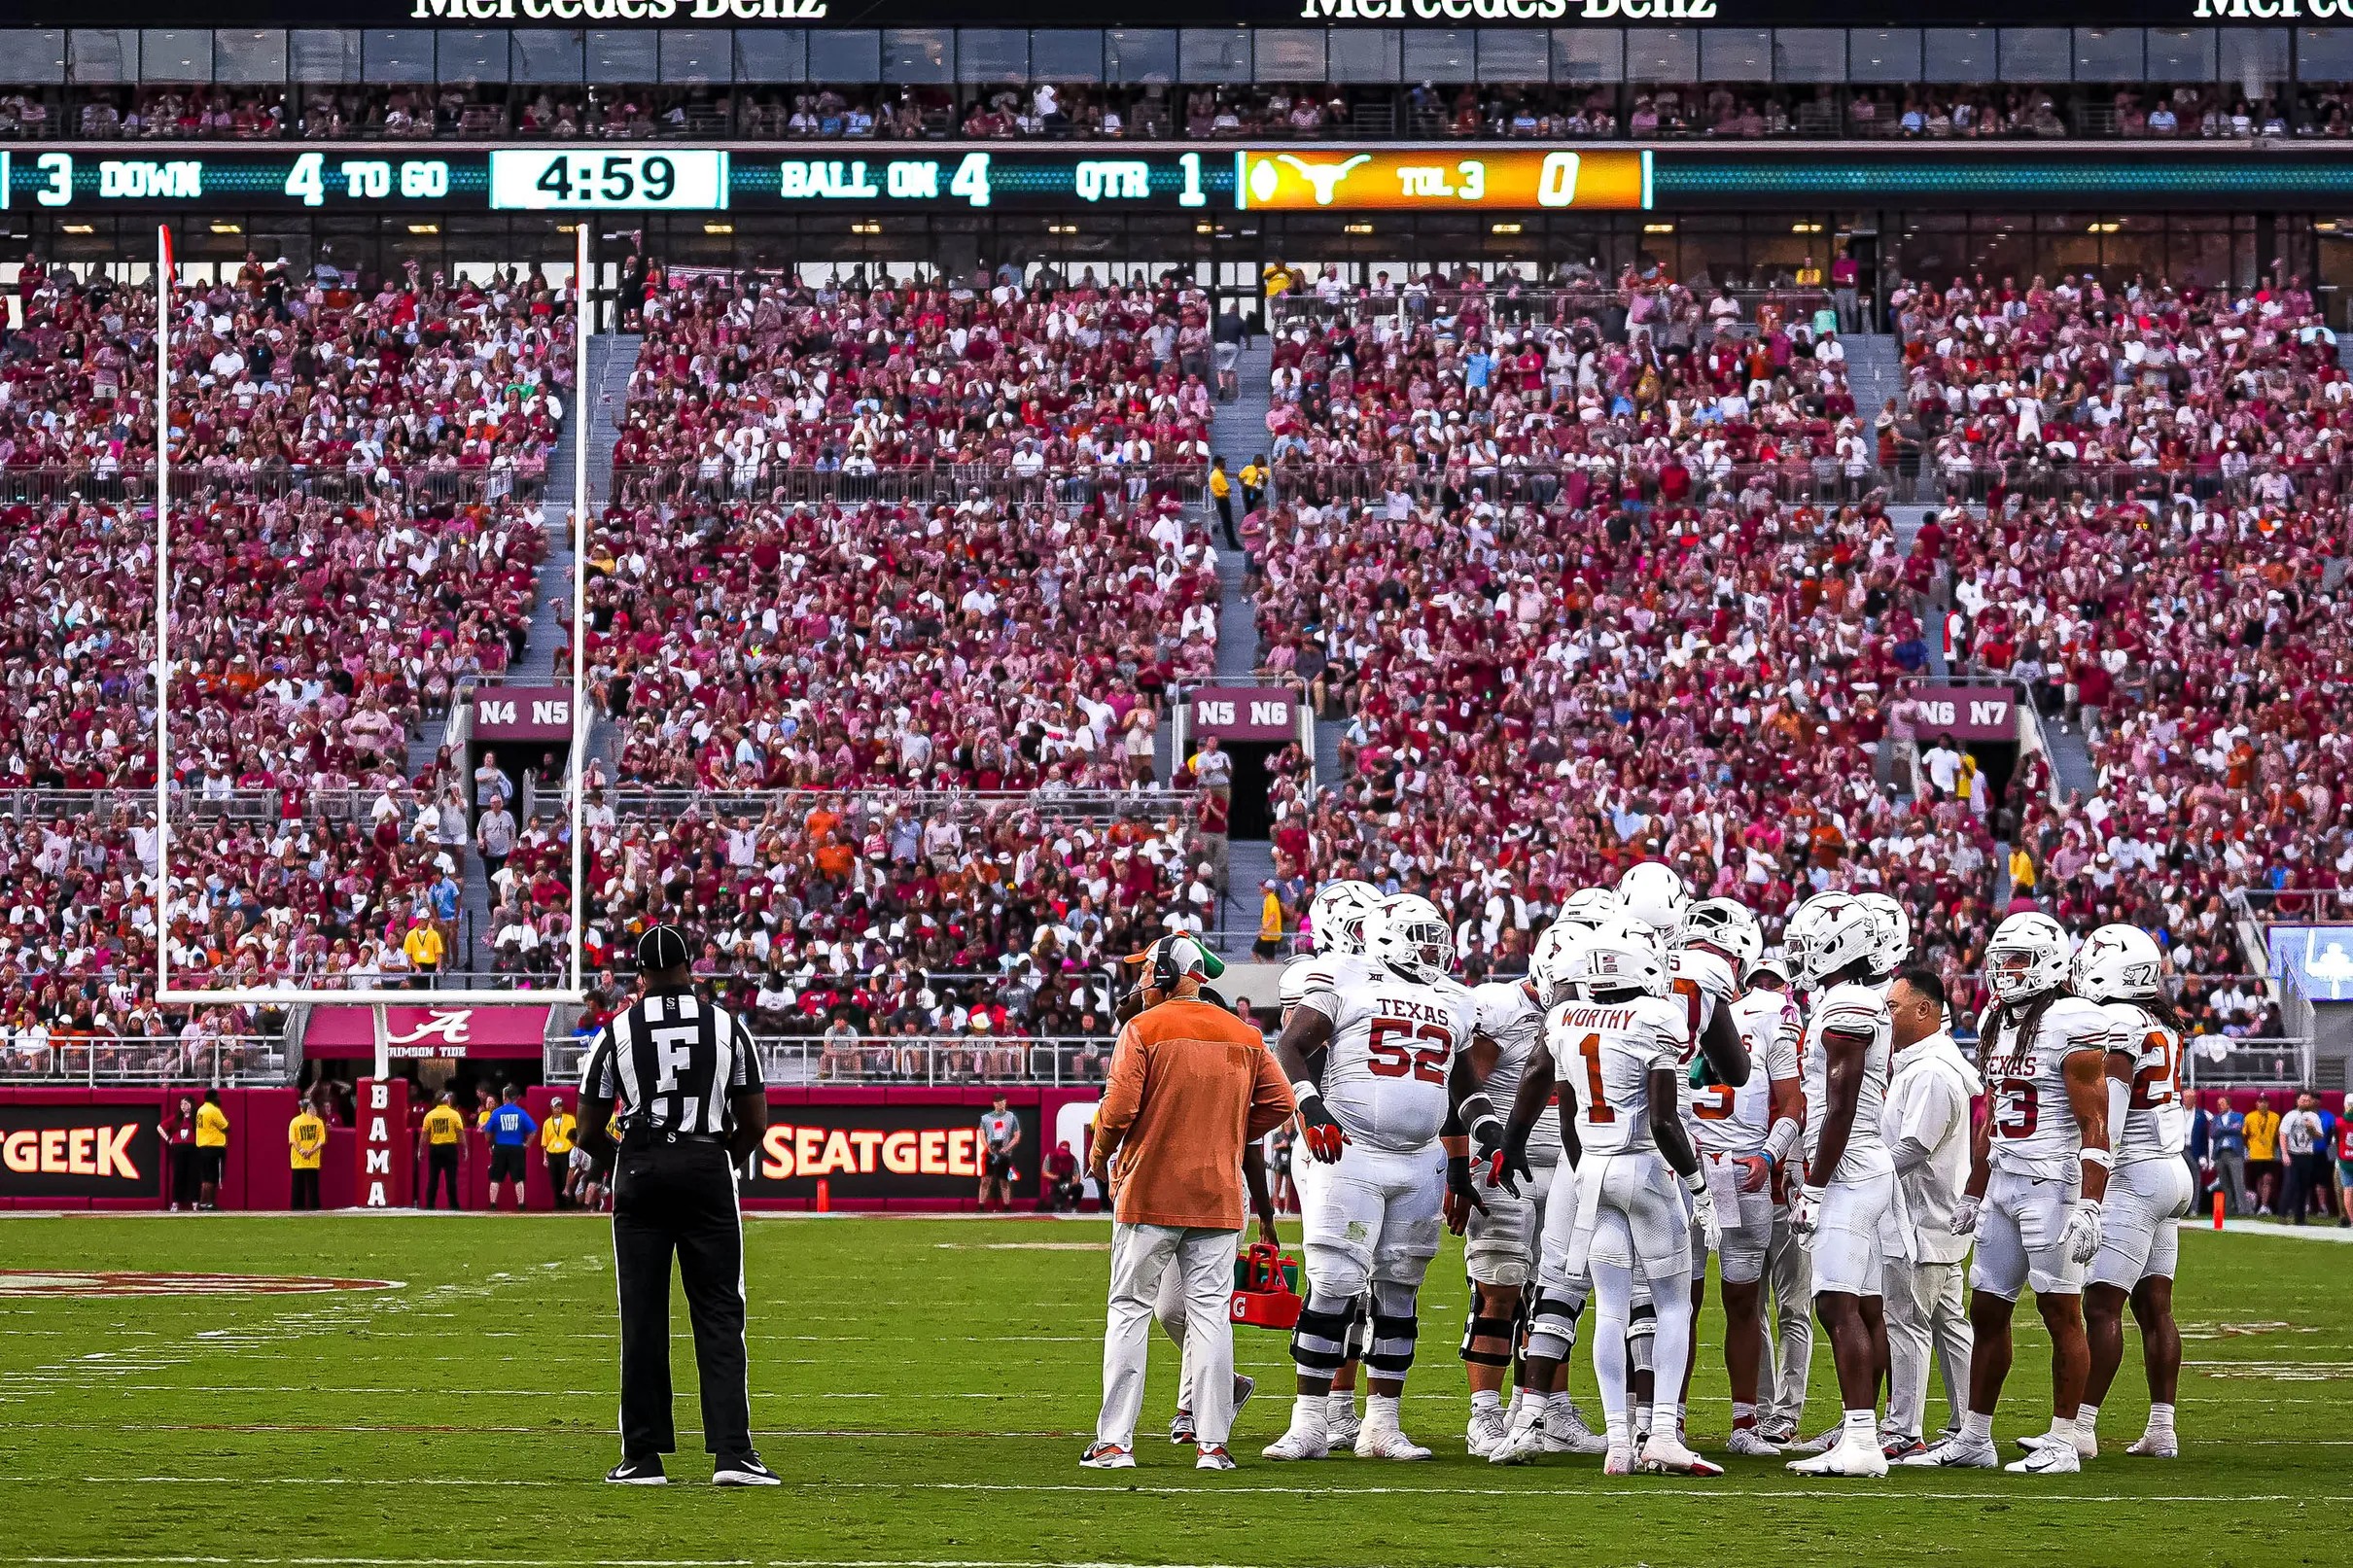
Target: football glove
(1509, 1163)
(1461, 1193)
(1964, 1216)
(1704, 1212)
(2083, 1230)
(1325, 1137)
(1806, 1212)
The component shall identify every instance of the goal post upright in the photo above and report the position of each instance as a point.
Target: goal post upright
(378, 998)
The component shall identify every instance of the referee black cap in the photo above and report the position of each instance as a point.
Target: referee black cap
(662, 947)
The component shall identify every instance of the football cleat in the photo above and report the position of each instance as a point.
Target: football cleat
(2051, 1459)
(1844, 1460)
(1666, 1454)
(1954, 1452)
(1618, 1462)
(645, 1470)
(1485, 1432)
(1819, 1443)
(1298, 1444)
(1522, 1444)
(1750, 1444)
(1106, 1456)
(1180, 1427)
(1566, 1432)
(1213, 1457)
(1780, 1434)
(1387, 1442)
(744, 1470)
(1343, 1430)
(1898, 1448)
(2087, 1444)
(2157, 1446)
(1244, 1386)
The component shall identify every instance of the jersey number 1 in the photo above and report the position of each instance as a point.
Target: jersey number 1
(1596, 1104)
(1394, 1059)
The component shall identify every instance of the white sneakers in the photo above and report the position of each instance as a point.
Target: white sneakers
(1849, 1456)
(1748, 1444)
(2156, 1444)
(1299, 1444)
(1618, 1461)
(2087, 1444)
(1213, 1457)
(1955, 1453)
(1525, 1442)
(1342, 1429)
(1564, 1431)
(1667, 1454)
(1384, 1442)
(1487, 1429)
(1107, 1456)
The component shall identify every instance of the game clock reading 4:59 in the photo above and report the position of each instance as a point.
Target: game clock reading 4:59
(685, 179)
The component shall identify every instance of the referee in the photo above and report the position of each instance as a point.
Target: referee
(697, 1108)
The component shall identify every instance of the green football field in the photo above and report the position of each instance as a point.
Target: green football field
(926, 1387)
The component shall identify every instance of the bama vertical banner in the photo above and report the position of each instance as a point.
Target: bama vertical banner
(383, 1161)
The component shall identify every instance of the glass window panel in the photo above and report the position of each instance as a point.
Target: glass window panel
(2181, 54)
(1956, 54)
(1882, 53)
(2322, 54)
(550, 54)
(1066, 53)
(175, 54)
(103, 55)
(1440, 55)
(853, 57)
(248, 54)
(324, 53)
(1515, 55)
(2108, 54)
(1809, 54)
(919, 55)
(764, 55)
(471, 57)
(1582, 55)
(2254, 58)
(624, 54)
(1214, 54)
(1290, 54)
(2037, 55)
(1735, 55)
(1145, 54)
(1662, 55)
(1362, 54)
(993, 55)
(399, 55)
(695, 55)
(32, 56)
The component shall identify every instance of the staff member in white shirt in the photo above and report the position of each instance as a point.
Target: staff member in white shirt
(1925, 1122)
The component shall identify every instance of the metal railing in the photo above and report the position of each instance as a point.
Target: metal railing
(927, 1059)
(2303, 906)
(636, 804)
(1524, 304)
(340, 485)
(221, 1061)
(904, 483)
(2232, 1062)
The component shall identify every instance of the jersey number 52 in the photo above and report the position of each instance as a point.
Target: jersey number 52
(1393, 1054)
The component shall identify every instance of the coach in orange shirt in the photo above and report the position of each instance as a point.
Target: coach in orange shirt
(1190, 1084)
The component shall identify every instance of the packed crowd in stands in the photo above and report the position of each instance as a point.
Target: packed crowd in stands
(1491, 109)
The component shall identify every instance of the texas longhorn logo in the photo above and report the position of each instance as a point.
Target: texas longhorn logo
(1325, 177)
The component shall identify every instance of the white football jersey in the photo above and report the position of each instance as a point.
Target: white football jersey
(1734, 1121)
(1315, 972)
(1510, 1017)
(1394, 1045)
(1604, 1054)
(2156, 1124)
(1848, 1009)
(2035, 1133)
(1702, 983)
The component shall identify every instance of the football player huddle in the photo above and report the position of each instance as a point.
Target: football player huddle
(1658, 1088)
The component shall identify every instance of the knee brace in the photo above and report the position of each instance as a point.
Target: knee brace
(1320, 1339)
(1641, 1328)
(1360, 1327)
(1479, 1327)
(1552, 1326)
(1394, 1329)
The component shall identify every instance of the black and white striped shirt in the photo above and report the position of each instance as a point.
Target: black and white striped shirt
(672, 1061)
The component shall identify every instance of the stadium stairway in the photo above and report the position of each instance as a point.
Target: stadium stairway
(1238, 433)
(1874, 372)
(611, 359)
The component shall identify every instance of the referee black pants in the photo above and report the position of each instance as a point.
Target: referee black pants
(680, 1197)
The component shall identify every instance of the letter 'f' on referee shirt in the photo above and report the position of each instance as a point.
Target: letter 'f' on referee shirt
(673, 1059)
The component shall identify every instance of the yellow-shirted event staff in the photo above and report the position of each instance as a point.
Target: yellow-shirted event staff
(555, 1142)
(306, 1141)
(211, 1149)
(442, 1141)
(424, 947)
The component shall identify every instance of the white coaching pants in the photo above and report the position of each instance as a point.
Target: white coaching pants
(1140, 1254)
(1926, 1312)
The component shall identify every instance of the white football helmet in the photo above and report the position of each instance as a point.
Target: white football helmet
(1727, 925)
(1588, 907)
(2118, 963)
(1895, 930)
(1652, 894)
(1546, 961)
(1622, 955)
(1408, 935)
(1828, 933)
(1336, 916)
(2027, 957)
